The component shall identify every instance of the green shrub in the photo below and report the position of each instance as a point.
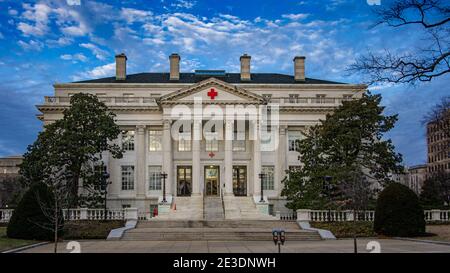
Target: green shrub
(87, 229)
(398, 212)
(28, 220)
(347, 229)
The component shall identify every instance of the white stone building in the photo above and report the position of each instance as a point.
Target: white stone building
(229, 170)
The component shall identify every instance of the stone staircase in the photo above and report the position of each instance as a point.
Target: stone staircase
(184, 208)
(224, 230)
(243, 207)
(213, 209)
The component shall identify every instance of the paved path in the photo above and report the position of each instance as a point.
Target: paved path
(334, 246)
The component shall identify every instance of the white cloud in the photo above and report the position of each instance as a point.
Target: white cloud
(106, 70)
(13, 12)
(74, 58)
(98, 52)
(295, 17)
(135, 15)
(31, 45)
(62, 41)
(36, 18)
(184, 4)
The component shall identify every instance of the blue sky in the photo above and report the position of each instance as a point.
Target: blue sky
(43, 42)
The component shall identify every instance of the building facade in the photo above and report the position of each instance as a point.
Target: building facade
(416, 177)
(227, 160)
(438, 144)
(9, 180)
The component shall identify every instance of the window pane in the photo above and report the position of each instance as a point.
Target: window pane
(127, 178)
(268, 180)
(154, 173)
(128, 140)
(155, 140)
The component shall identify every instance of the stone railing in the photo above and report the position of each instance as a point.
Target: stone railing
(5, 215)
(368, 215)
(85, 214)
(286, 216)
(109, 101)
(94, 214)
(301, 101)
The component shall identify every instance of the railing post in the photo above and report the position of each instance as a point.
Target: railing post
(83, 213)
(278, 215)
(303, 215)
(350, 215)
(435, 215)
(131, 214)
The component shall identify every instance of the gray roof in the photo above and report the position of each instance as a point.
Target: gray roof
(258, 78)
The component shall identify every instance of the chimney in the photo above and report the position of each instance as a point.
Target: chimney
(121, 67)
(174, 59)
(245, 67)
(299, 68)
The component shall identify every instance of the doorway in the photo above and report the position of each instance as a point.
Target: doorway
(240, 180)
(212, 180)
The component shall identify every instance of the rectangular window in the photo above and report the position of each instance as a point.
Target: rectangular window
(212, 145)
(154, 174)
(128, 140)
(347, 97)
(126, 206)
(127, 178)
(320, 98)
(184, 140)
(238, 145)
(293, 138)
(155, 140)
(268, 179)
(293, 98)
(184, 145)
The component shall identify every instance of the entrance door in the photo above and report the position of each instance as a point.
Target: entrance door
(212, 180)
(184, 180)
(240, 180)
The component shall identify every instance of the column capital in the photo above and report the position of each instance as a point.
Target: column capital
(140, 129)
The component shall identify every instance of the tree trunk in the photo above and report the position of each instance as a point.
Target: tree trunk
(56, 225)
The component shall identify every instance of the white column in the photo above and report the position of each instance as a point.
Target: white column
(114, 171)
(196, 132)
(167, 157)
(280, 163)
(140, 161)
(228, 161)
(256, 159)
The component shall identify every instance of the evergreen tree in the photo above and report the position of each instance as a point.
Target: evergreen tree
(72, 147)
(347, 146)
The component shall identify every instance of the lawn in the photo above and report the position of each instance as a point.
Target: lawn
(7, 243)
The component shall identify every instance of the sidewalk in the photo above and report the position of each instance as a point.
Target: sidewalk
(332, 246)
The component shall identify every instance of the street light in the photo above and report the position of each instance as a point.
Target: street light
(261, 176)
(327, 186)
(164, 176)
(105, 183)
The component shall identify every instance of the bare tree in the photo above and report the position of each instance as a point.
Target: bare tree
(59, 188)
(423, 64)
(440, 116)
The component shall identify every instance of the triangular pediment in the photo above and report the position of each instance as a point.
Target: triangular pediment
(212, 90)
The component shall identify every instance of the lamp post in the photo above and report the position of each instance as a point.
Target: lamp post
(261, 177)
(327, 187)
(164, 176)
(105, 183)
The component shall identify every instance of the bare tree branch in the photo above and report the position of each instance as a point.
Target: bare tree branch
(421, 64)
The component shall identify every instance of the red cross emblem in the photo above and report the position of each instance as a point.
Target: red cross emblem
(212, 93)
(211, 154)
